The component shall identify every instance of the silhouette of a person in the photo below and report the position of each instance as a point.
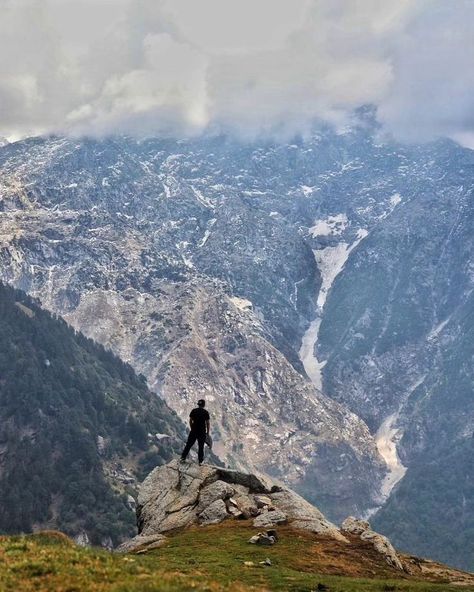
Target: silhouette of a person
(199, 423)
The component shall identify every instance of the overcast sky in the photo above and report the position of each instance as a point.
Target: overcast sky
(249, 67)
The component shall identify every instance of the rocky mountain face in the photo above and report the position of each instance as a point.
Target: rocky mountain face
(151, 251)
(316, 293)
(78, 429)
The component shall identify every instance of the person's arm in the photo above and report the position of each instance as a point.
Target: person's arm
(208, 426)
(191, 422)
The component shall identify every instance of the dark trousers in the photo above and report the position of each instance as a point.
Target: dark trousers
(193, 436)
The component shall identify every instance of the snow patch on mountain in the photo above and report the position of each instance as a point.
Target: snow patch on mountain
(333, 225)
(330, 261)
(307, 190)
(438, 329)
(387, 438)
(395, 199)
(312, 365)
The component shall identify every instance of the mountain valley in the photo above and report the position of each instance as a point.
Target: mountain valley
(317, 293)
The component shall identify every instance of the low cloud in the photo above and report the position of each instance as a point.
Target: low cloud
(249, 67)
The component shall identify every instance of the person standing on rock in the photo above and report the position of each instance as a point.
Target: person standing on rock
(199, 423)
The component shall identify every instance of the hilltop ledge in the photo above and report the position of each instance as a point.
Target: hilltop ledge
(176, 496)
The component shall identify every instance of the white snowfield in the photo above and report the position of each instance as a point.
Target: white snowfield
(330, 262)
(333, 225)
(387, 438)
(311, 364)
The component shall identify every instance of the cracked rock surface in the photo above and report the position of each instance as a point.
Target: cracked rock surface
(381, 544)
(177, 496)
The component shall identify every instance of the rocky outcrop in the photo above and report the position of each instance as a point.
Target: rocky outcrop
(381, 544)
(179, 495)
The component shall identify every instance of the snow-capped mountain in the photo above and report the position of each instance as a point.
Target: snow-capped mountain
(317, 293)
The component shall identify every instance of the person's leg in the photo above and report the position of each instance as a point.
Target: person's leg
(201, 442)
(191, 439)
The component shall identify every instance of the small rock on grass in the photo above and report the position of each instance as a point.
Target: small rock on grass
(266, 538)
(273, 533)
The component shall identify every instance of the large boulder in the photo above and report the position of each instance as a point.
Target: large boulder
(381, 544)
(215, 513)
(270, 518)
(178, 495)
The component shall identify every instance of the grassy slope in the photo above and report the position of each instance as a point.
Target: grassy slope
(202, 559)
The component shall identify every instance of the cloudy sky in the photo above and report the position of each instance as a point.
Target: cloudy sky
(249, 67)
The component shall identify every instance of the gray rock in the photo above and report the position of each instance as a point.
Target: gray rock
(263, 538)
(168, 497)
(381, 544)
(246, 505)
(301, 514)
(177, 495)
(262, 501)
(142, 542)
(107, 543)
(214, 513)
(254, 483)
(235, 512)
(266, 540)
(353, 525)
(101, 445)
(270, 518)
(219, 490)
(240, 489)
(82, 539)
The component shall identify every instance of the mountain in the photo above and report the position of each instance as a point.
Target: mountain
(318, 293)
(205, 294)
(77, 428)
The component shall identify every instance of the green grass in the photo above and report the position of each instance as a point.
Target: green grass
(211, 559)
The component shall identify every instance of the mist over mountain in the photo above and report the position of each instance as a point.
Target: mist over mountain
(316, 292)
(178, 68)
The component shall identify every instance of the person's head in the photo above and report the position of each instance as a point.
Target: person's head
(201, 403)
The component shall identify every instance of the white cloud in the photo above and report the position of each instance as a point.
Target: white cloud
(177, 67)
(433, 82)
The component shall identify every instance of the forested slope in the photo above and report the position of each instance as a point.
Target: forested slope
(77, 427)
